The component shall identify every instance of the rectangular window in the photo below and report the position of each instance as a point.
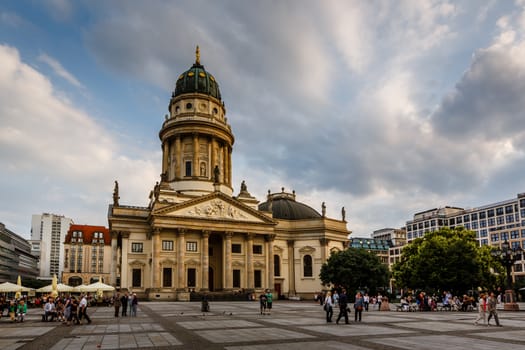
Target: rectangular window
(136, 279)
(236, 278)
(494, 237)
(466, 218)
(499, 211)
(514, 234)
(500, 220)
(257, 249)
(484, 241)
(459, 220)
(167, 277)
(492, 222)
(518, 268)
(452, 221)
(167, 245)
(257, 278)
(509, 218)
(474, 216)
(188, 168)
(191, 246)
(490, 213)
(474, 225)
(508, 209)
(236, 248)
(192, 277)
(504, 236)
(137, 247)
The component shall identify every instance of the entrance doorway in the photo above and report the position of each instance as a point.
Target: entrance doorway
(277, 289)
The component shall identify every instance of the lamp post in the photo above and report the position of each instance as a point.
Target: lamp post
(508, 256)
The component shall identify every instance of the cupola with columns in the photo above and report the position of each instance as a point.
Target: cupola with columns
(196, 137)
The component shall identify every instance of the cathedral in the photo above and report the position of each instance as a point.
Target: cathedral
(196, 235)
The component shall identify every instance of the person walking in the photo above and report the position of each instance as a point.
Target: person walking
(134, 304)
(366, 300)
(358, 306)
(116, 304)
(492, 305)
(482, 308)
(328, 306)
(83, 309)
(124, 302)
(263, 303)
(269, 301)
(343, 306)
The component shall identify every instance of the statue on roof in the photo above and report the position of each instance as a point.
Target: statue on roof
(115, 194)
(323, 209)
(343, 213)
(244, 188)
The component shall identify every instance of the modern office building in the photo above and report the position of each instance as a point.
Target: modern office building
(493, 223)
(379, 247)
(50, 230)
(87, 255)
(196, 235)
(15, 257)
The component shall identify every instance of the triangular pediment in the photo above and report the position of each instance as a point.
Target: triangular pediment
(215, 206)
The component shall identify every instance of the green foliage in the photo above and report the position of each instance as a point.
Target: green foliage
(448, 259)
(354, 269)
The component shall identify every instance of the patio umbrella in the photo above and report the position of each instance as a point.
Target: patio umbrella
(7, 287)
(61, 288)
(93, 287)
(54, 288)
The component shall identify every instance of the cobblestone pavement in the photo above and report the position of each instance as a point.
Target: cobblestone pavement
(240, 326)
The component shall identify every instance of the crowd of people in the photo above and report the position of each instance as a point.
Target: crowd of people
(126, 301)
(66, 309)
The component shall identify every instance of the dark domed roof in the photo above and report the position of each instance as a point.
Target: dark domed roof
(196, 79)
(285, 207)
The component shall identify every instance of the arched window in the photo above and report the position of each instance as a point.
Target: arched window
(276, 265)
(307, 266)
(74, 281)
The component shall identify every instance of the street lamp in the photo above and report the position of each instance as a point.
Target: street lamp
(508, 256)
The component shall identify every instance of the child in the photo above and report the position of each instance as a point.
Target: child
(12, 310)
(22, 310)
(263, 300)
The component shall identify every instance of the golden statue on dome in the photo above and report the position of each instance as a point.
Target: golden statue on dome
(197, 55)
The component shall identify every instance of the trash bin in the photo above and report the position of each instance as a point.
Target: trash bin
(205, 306)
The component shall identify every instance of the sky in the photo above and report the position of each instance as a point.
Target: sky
(387, 108)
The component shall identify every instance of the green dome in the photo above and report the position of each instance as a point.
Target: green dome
(197, 80)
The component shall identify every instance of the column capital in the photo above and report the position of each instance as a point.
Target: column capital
(290, 243)
(249, 236)
(228, 234)
(114, 234)
(324, 241)
(269, 238)
(156, 231)
(124, 234)
(181, 231)
(205, 233)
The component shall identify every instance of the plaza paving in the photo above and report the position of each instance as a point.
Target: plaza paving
(240, 326)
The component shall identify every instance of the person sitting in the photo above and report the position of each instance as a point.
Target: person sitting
(21, 311)
(50, 310)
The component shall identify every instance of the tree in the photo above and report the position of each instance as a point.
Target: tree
(354, 268)
(448, 259)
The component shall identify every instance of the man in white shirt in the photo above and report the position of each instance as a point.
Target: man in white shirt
(50, 310)
(83, 309)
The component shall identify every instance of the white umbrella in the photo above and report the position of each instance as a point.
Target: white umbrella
(7, 287)
(93, 287)
(62, 288)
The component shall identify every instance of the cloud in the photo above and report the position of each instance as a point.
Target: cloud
(60, 70)
(52, 153)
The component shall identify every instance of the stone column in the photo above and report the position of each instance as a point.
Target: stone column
(178, 158)
(181, 249)
(249, 261)
(213, 156)
(195, 168)
(225, 164)
(165, 155)
(155, 259)
(324, 245)
(228, 283)
(205, 260)
(114, 257)
(271, 269)
(229, 166)
(124, 266)
(291, 268)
